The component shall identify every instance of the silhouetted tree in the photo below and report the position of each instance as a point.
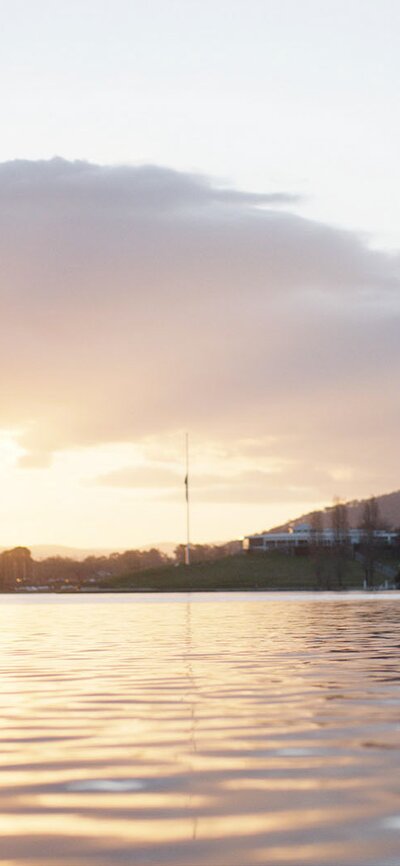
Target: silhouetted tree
(16, 567)
(63, 571)
(369, 525)
(317, 548)
(340, 529)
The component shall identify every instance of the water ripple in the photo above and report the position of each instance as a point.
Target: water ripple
(193, 730)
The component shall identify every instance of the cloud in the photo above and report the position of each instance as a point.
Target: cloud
(141, 477)
(247, 486)
(138, 301)
(296, 481)
(60, 183)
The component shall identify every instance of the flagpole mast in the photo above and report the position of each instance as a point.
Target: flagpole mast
(187, 549)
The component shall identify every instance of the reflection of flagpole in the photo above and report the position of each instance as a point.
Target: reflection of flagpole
(187, 548)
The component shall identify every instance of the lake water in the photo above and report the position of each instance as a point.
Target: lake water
(200, 729)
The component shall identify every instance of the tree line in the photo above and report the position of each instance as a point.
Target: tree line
(18, 569)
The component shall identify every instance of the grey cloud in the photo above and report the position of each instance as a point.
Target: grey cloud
(139, 301)
(299, 481)
(66, 183)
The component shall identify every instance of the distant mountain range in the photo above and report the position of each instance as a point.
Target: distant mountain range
(44, 551)
(389, 513)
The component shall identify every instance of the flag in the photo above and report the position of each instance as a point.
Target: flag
(187, 487)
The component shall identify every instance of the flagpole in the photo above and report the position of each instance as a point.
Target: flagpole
(187, 549)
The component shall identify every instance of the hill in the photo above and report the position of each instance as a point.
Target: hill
(389, 512)
(274, 571)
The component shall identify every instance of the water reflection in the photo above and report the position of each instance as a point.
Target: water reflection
(187, 733)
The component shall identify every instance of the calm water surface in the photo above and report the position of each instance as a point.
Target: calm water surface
(203, 729)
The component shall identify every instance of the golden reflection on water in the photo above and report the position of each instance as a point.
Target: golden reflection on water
(177, 731)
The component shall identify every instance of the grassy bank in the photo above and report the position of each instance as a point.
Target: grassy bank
(272, 571)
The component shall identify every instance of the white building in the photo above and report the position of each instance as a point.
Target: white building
(303, 536)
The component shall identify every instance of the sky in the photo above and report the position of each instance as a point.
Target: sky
(199, 232)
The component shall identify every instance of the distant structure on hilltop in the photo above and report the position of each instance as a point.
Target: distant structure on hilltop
(302, 536)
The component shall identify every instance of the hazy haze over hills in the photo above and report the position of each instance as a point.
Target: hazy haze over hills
(43, 551)
(389, 512)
